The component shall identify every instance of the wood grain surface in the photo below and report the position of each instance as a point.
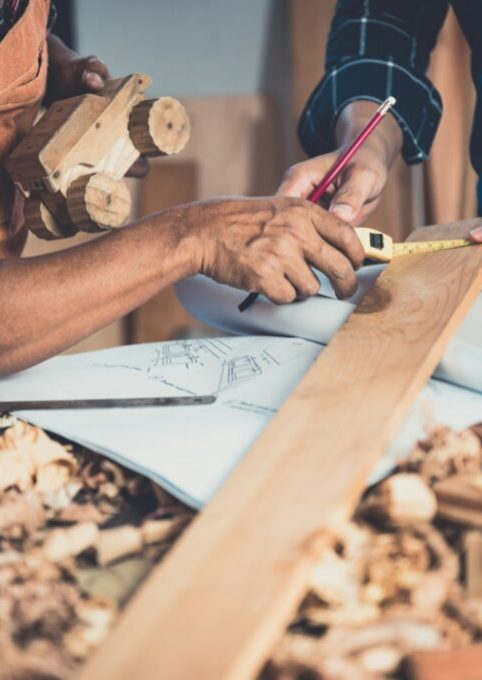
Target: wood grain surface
(214, 608)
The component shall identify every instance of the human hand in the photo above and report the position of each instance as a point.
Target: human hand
(356, 191)
(476, 235)
(268, 245)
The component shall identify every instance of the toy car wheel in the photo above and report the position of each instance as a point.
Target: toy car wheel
(98, 202)
(40, 221)
(159, 126)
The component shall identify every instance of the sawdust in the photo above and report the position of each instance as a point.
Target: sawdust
(65, 514)
(392, 583)
(79, 533)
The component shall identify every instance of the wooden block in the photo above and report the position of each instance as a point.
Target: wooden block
(216, 605)
(446, 664)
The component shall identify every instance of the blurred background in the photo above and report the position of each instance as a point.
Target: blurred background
(244, 71)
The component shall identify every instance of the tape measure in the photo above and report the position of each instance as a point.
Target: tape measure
(381, 248)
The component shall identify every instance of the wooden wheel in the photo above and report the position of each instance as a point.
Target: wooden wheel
(98, 202)
(40, 221)
(159, 126)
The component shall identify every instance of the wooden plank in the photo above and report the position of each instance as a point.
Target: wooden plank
(216, 605)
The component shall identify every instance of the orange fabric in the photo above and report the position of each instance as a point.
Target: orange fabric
(23, 78)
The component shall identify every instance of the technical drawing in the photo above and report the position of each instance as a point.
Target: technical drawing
(238, 370)
(208, 365)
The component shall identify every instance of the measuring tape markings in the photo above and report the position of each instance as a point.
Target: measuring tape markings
(429, 246)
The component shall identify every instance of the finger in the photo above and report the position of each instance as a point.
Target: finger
(94, 73)
(301, 277)
(366, 211)
(338, 234)
(279, 291)
(476, 235)
(337, 268)
(139, 168)
(300, 180)
(354, 192)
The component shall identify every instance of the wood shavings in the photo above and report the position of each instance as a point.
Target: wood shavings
(56, 604)
(113, 544)
(80, 512)
(63, 543)
(96, 617)
(445, 453)
(402, 499)
(21, 510)
(70, 556)
(118, 542)
(391, 583)
(28, 457)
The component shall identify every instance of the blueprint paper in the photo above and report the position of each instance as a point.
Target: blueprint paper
(319, 318)
(187, 449)
(190, 450)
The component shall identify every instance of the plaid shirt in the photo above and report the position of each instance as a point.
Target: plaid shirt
(12, 10)
(378, 48)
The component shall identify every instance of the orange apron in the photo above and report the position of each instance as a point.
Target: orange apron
(23, 78)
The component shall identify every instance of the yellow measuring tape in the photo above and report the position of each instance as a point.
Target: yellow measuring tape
(381, 248)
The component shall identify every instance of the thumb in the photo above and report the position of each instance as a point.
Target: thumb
(348, 201)
(300, 179)
(476, 234)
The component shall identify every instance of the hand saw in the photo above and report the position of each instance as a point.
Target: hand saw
(380, 247)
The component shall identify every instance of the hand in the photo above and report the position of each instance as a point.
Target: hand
(357, 190)
(70, 75)
(476, 235)
(267, 245)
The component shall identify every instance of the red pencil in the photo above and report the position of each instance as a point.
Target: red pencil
(336, 168)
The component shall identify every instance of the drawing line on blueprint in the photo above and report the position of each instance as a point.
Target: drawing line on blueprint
(212, 365)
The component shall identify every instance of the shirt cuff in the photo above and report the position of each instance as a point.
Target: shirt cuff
(418, 108)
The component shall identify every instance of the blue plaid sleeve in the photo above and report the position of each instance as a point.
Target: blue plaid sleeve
(378, 48)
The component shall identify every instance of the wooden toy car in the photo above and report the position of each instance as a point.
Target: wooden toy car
(70, 167)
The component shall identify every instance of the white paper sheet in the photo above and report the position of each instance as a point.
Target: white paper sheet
(191, 450)
(319, 318)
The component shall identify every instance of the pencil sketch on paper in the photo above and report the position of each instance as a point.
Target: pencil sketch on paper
(210, 365)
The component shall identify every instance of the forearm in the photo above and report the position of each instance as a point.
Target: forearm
(51, 302)
(386, 140)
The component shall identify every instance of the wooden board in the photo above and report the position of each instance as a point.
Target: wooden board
(214, 608)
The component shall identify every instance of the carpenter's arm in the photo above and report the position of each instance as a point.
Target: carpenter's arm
(266, 245)
(50, 302)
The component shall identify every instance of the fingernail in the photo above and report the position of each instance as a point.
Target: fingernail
(94, 79)
(343, 211)
(476, 234)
